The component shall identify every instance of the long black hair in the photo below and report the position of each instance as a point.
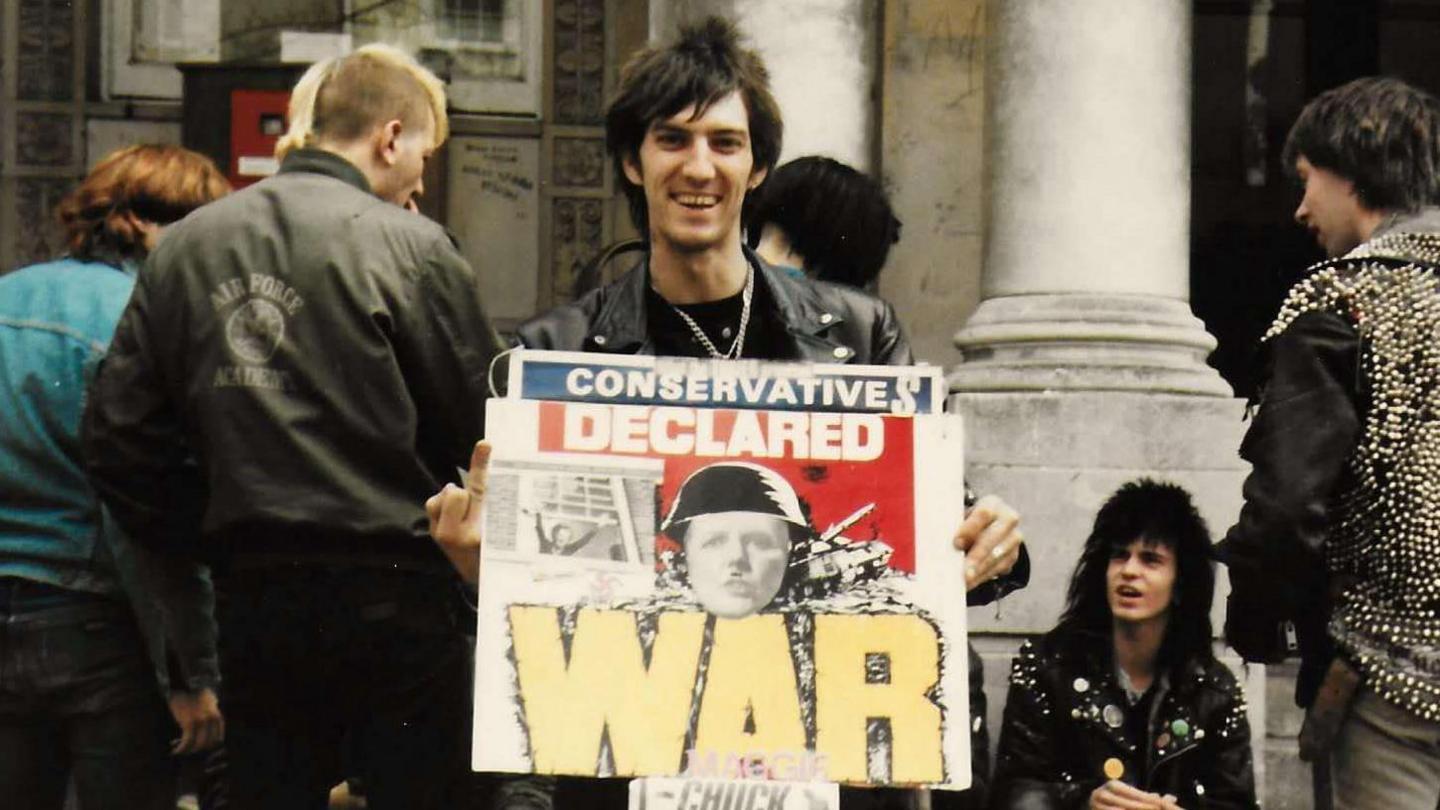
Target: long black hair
(1162, 514)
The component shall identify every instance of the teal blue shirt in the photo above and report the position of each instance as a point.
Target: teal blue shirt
(56, 320)
(794, 272)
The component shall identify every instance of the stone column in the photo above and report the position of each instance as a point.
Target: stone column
(1083, 366)
(1088, 174)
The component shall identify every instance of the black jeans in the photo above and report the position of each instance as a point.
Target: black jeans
(78, 700)
(332, 672)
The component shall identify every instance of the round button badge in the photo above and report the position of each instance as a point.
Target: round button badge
(1113, 716)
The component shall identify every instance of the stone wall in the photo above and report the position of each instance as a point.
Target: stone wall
(932, 111)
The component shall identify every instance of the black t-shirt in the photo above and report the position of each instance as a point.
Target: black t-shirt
(1137, 717)
(719, 320)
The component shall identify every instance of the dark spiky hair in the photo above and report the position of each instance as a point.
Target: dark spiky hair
(1162, 514)
(1381, 134)
(704, 65)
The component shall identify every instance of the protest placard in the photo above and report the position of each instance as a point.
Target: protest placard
(670, 588)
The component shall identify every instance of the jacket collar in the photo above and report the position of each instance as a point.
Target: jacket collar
(319, 161)
(1425, 220)
(807, 317)
(1097, 652)
(621, 325)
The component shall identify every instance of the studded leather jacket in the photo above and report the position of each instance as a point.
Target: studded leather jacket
(1346, 447)
(1068, 721)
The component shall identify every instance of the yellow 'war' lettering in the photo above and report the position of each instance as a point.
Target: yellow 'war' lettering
(750, 673)
(845, 700)
(605, 687)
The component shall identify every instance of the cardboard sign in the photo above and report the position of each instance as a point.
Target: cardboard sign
(724, 592)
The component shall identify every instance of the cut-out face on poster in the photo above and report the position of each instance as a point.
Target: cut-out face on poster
(736, 523)
(736, 561)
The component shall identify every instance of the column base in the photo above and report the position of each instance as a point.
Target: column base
(1086, 343)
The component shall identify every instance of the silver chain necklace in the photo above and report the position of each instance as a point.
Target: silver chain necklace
(734, 352)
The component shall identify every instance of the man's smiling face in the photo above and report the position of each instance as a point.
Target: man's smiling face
(695, 174)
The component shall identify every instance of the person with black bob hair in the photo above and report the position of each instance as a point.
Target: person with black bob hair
(1123, 704)
(825, 219)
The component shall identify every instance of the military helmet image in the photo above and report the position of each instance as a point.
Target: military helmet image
(733, 578)
(733, 486)
(737, 525)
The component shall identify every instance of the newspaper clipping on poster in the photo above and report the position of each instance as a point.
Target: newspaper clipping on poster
(719, 570)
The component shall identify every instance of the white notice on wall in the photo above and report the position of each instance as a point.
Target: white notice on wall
(303, 47)
(176, 31)
(257, 166)
(495, 213)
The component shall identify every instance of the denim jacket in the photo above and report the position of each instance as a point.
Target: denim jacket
(56, 320)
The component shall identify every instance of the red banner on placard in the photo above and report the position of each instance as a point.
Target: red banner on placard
(836, 462)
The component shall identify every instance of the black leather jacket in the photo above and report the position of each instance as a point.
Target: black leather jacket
(1064, 718)
(1313, 389)
(823, 323)
(827, 323)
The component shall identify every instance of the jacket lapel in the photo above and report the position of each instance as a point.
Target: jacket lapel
(621, 326)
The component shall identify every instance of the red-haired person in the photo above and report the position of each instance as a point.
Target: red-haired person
(78, 698)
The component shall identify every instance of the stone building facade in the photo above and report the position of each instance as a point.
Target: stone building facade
(1077, 181)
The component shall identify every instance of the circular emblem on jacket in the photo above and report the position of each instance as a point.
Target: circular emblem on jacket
(1113, 716)
(254, 330)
